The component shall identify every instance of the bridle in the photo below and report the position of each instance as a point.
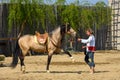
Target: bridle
(67, 29)
(66, 26)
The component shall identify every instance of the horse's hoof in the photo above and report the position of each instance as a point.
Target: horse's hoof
(73, 60)
(23, 71)
(48, 71)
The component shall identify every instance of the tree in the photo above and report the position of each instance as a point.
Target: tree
(71, 14)
(36, 12)
(68, 13)
(23, 12)
(87, 18)
(100, 3)
(85, 3)
(100, 16)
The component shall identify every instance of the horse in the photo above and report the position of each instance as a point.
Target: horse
(52, 44)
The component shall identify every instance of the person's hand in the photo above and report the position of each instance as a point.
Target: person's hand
(83, 47)
(79, 39)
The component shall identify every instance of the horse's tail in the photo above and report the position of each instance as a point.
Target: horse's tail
(15, 55)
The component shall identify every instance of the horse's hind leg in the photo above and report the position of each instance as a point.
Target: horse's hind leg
(22, 64)
(68, 53)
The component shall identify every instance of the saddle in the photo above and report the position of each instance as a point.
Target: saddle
(41, 38)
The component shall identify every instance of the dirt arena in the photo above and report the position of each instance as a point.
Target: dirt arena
(62, 68)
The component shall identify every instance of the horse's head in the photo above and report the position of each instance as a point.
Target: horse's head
(67, 29)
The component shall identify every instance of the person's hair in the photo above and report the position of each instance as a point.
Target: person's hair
(90, 30)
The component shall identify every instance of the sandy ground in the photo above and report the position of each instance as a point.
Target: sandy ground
(62, 68)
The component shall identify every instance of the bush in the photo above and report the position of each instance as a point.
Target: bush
(2, 57)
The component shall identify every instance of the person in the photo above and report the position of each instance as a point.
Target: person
(90, 48)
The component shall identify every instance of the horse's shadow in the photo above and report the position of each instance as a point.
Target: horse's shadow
(78, 72)
(54, 72)
(58, 72)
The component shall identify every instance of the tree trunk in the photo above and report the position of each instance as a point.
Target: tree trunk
(22, 28)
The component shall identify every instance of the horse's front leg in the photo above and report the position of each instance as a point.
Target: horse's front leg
(49, 60)
(68, 53)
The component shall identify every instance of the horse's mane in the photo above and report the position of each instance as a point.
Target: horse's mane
(52, 32)
(62, 28)
(62, 32)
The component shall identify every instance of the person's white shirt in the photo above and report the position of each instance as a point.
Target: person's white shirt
(90, 43)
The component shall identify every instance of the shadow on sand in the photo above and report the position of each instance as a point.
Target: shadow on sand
(59, 72)
(79, 72)
(77, 63)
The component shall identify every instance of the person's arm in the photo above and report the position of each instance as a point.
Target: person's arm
(86, 40)
(83, 47)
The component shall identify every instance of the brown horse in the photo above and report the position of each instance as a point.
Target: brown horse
(41, 43)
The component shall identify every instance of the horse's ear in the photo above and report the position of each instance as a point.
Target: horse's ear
(37, 33)
(68, 26)
(67, 23)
